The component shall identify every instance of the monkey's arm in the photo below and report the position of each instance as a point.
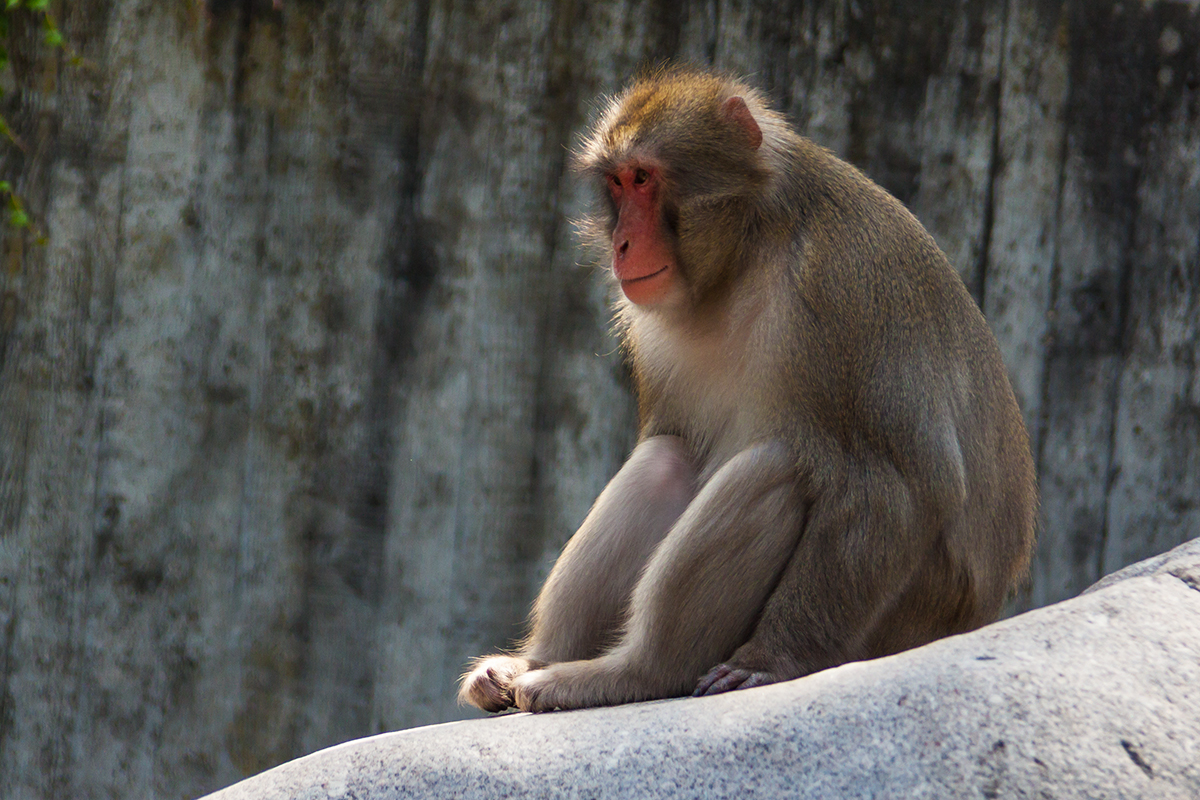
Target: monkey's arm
(698, 596)
(580, 609)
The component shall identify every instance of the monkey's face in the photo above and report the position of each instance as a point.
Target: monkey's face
(644, 260)
(679, 160)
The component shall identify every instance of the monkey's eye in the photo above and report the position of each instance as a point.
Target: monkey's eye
(614, 181)
(640, 177)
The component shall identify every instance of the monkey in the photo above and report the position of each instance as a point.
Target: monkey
(831, 464)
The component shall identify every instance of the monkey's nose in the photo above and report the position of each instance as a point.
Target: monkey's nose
(622, 249)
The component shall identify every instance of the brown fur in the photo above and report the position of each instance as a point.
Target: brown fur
(832, 465)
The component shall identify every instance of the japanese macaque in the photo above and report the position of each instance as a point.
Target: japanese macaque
(831, 463)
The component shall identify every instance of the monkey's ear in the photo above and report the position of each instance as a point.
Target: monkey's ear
(735, 110)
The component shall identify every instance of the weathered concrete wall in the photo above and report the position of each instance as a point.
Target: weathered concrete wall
(306, 390)
(1094, 698)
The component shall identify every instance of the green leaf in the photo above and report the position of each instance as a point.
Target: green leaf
(5, 186)
(18, 218)
(9, 5)
(37, 5)
(54, 38)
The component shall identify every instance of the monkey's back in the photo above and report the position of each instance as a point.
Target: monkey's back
(909, 372)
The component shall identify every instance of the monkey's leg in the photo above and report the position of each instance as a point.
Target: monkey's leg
(580, 609)
(699, 595)
(865, 547)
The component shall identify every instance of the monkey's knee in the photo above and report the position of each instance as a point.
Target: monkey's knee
(664, 470)
(488, 686)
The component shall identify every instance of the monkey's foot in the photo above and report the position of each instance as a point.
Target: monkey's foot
(549, 689)
(724, 678)
(605, 681)
(576, 684)
(489, 683)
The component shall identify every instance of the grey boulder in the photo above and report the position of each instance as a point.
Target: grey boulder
(1096, 697)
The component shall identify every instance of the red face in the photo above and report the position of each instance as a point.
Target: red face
(643, 258)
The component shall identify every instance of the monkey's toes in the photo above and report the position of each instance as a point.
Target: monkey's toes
(533, 691)
(724, 678)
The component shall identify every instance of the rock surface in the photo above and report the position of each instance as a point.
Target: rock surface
(1096, 697)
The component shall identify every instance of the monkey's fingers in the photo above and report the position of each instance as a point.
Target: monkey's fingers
(489, 685)
(724, 678)
(484, 691)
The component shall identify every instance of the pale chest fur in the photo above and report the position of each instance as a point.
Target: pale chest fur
(709, 383)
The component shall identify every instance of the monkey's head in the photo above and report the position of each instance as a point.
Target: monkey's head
(680, 163)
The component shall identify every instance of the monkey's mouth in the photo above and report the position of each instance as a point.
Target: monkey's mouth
(627, 281)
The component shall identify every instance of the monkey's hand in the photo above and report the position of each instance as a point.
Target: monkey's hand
(724, 678)
(489, 683)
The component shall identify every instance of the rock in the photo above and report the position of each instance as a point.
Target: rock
(1096, 697)
(1183, 562)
